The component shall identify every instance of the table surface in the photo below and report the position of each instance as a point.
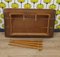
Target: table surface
(51, 47)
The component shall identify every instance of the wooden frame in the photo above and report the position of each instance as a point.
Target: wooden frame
(29, 22)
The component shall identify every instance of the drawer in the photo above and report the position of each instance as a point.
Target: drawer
(29, 22)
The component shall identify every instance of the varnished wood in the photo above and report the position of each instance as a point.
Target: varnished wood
(29, 22)
(27, 44)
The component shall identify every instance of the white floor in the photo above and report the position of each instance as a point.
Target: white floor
(51, 48)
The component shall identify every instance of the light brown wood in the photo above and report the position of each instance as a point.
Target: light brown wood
(51, 47)
(26, 43)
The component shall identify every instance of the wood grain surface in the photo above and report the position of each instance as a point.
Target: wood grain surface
(29, 22)
(26, 43)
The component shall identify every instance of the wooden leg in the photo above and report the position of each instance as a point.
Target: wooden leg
(27, 44)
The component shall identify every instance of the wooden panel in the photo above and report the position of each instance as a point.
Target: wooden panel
(29, 22)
